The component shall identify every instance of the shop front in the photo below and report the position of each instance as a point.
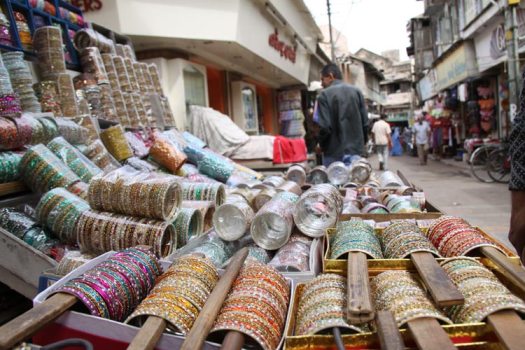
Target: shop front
(237, 65)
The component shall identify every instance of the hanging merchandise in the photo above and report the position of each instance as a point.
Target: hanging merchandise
(486, 104)
(291, 116)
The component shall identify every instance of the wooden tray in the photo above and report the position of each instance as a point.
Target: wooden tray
(465, 336)
(376, 266)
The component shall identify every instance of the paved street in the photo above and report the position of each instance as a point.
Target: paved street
(449, 186)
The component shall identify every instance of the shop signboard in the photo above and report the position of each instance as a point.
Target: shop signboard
(427, 87)
(490, 44)
(457, 66)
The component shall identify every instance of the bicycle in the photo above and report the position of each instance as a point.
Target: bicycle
(491, 163)
(499, 163)
(479, 161)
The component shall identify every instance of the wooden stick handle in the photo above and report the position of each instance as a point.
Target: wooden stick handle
(31, 321)
(509, 328)
(387, 331)
(233, 341)
(429, 335)
(338, 339)
(443, 290)
(204, 322)
(512, 271)
(149, 334)
(360, 309)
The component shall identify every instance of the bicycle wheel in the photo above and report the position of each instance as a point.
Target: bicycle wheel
(496, 166)
(479, 163)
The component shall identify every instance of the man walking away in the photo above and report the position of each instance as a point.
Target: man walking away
(383, 141)
(343, 119)
(421, 138)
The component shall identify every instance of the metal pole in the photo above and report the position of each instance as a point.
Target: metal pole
(511, 35)
(332, 49)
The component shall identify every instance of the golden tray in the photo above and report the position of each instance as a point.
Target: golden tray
(477, 336)
(376, 266)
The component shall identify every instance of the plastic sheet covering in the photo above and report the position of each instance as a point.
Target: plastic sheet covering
(74, 133)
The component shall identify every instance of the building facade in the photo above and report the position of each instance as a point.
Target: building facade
(222, 53)
(461, 64)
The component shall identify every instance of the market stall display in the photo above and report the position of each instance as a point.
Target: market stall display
(108, 172)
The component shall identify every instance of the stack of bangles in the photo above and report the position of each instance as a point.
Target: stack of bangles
(59, 211)
(216, 167)
(402, 238)
(256, 305)
(322, 305)
(9, 166)
(484, 293)
(214, 249)
(188, 223)
(131, 192)
(400, 293)
(80, 189)
(9, 138)
(100, 232)
(204, 192)
(113, 288)
(43, 171)
(99, 155)
(167, 154)
(354, 236)
(179, 294)
(116, 143)
(454, 236)
(76, 161)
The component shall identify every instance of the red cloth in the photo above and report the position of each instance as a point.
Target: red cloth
(287, 150)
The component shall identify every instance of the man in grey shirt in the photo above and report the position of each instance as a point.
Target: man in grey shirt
(342, 118)
(421, 132)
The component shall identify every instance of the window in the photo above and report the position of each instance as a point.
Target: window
(194, 86)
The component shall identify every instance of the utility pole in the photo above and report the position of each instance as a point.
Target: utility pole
(332, 49)
(511, 41)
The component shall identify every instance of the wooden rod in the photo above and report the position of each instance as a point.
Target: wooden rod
(509, 328)
(429, 335)
(149, 334)
(233, 341)
(198, 333)
(31, 321)
(443, 290)
(360, 309)
(388, 332)
(338, 339)
(512, 271)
